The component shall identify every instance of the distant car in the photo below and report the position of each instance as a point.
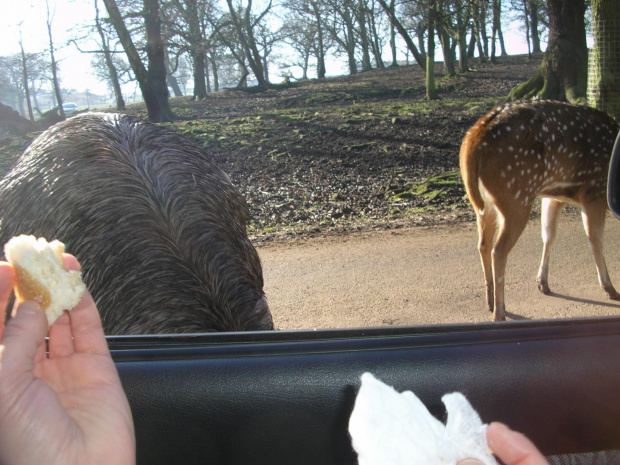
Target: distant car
(69, 108)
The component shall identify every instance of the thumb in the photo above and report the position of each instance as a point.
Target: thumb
(24, 335)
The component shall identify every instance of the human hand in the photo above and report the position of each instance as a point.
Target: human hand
(510, 447)
(66, 408)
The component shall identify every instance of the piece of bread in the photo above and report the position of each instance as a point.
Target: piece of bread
(40, 275)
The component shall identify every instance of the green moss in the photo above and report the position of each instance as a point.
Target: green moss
(432, 188)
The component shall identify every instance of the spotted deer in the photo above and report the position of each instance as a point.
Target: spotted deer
(519, 152)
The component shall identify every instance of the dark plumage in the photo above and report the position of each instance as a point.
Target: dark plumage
(159, 229)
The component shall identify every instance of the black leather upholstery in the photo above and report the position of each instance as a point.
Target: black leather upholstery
(285, 397)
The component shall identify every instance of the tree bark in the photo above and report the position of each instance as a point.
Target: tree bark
(393, 35)
(317, 13)
(375, 40)
(563, 72)
(151, 100)
(155, 56)
(363, 32)
(170, 78)
(431, 88)
(216, 80)
(461, 36)
(534, 28)
(244, 27)
(198, 59)
(447, 50)
(113, 74)
(25, 79)
(495, 28)
(419, 58)
(54, 65)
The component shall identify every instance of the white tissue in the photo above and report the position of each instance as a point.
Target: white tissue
(397, 429)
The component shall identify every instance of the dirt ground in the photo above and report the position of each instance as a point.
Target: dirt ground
(430, 275)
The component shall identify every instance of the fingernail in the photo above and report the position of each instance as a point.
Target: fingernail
(499, 428)
(470, 462)
(29, 307)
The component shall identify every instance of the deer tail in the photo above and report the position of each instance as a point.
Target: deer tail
(469, 159)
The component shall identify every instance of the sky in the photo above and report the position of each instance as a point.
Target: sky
(69, 15)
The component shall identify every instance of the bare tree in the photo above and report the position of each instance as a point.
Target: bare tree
(313, 14)
(533, 13)
(107, 56)
(378, 32)
(419, 57)
(12, 83)
(431, 88)
(196, 23)
(152, 82)
(53, 63)
(25, 75)
(245, 22)
(301, 37)
(342, 29)
(496, 30)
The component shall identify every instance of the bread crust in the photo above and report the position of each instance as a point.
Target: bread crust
(40, 275)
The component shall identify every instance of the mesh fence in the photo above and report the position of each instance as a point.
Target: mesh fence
(604, 67)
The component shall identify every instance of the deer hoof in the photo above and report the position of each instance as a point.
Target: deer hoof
(543, 287)
(613, 294)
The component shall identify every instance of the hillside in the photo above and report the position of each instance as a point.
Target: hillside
(348, 153)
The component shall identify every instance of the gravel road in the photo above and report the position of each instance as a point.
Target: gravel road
(431, 275)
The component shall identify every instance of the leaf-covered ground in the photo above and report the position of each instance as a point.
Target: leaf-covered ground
(348, 153)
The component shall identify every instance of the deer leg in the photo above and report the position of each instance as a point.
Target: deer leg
(550, 214)
(487, 226)
(511, 228)
(593, 215)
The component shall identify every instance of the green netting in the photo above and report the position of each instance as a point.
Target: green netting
(604, 67)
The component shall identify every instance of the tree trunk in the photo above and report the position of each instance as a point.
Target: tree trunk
(446, 48)
(107, 55)
(321, 69)
(502, 44)
(376, 41)
(245, 34)
(471, 46)
(534, 28)
(170, 78)
(155, 55)
(495, 28)
(461, 31)
(200, 88)
(207, 76)
(153, 107)
(481, 31)
(216, 79)
(34, 95)
(604, 85)
(363, 32)
(431, 88)
(563, 72)
(54, 65)
(393, 36)
(526, 15)
(350, 43)
(25, 79)
(419, 58)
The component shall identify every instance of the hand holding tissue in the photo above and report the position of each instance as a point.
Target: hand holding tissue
(394, 428)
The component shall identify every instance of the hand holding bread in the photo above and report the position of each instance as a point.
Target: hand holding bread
(60, 381)
(41, 277)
